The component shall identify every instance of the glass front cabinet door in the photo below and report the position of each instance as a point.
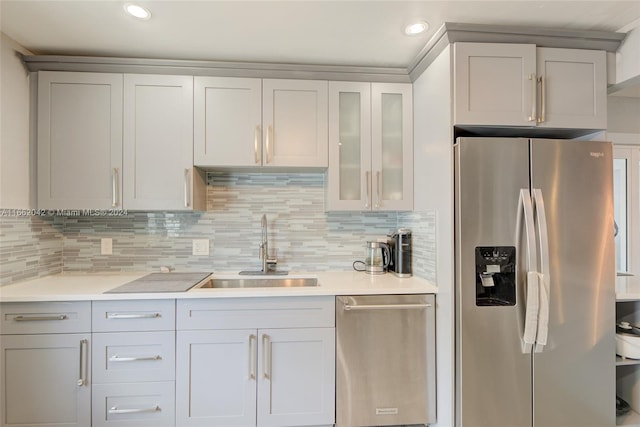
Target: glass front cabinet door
(370, 147)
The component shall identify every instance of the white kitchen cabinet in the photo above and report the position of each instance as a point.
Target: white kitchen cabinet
(294, 123)
(371, 147)
(79, 140)
(521, 85)
(573, 88)
(227, 121)
(216, 378)
(245, 122)
(296, 377)
(257, 361)
(158, 144)
(133, 363)
(44, 367)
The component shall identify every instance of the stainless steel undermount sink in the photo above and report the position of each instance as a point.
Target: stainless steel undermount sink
(260, 282)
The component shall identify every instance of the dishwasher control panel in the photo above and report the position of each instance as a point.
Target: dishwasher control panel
(495, 276)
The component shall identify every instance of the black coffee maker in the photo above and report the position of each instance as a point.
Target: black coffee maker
(400, 248)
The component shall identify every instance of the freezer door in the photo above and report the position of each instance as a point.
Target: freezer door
(574, 376)
(493, 375)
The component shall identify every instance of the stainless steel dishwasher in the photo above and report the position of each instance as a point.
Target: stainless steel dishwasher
(385, 368)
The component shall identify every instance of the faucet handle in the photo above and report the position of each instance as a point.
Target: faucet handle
(272, 259)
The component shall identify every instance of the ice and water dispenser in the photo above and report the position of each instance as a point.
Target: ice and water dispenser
(495, 275)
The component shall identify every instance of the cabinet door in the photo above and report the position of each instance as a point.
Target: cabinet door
(349, 172)
(296, 385)
(392, 146)
(294, 122)
(227, 121)
(40, 380)
(158, 142)
(494, 84)
(215, 378)
(573, 88)
(79, 140)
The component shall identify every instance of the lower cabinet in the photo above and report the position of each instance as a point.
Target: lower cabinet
(45, 374)
(267, 362)
(133, 363)
(275, 376)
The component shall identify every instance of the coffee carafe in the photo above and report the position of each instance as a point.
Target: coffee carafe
(376, 257)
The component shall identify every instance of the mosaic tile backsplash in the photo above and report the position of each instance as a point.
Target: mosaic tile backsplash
(305, 236)
(30, 247)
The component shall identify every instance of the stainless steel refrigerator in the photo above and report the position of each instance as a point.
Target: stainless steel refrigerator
(535, 293)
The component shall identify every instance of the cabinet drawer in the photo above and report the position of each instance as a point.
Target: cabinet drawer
(144, 315)
(45, 317)
(133, 356)
(237, 313)
(133, 404)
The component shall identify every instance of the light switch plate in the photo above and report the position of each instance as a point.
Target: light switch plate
(201, 247)
(106, 246)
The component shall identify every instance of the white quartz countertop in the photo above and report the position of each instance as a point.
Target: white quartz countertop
(91, 286)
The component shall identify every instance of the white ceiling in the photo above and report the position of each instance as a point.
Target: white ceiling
(367, 33)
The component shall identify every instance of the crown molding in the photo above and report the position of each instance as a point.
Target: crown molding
(448, 33)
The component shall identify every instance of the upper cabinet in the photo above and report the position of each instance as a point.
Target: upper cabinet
(79, 140)
(294, 120)
(241, 122)
(371, 147)
(521, 85)
(227, 121)
(158, 144)
(108, 141)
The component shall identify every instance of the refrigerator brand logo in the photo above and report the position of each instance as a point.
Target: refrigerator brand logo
(596, 154)
(386, 411)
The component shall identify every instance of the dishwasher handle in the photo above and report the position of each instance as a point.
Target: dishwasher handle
(349, 307)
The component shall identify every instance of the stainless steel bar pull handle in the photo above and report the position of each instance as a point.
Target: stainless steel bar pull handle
(257, 137)
(367, 178)
(116, 358)
(349, 307)
(543, 101)
(252, 356)
(378, 188)
(133, 315)
(22, 318)
(114, 188)
(266, 357)
(269, 143)
(84, 362)
(187, 195)
(114, 410)
(534, 110)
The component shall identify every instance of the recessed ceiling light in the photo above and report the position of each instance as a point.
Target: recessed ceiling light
(137, 11)
(416, 28)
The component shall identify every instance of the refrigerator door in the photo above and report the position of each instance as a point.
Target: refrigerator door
(574, 375)
(493, 374)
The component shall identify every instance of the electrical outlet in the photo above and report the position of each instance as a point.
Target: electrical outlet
(201, 247)
(106, 246)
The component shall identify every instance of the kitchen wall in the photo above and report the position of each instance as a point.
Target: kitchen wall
(306, 237)
(16, 177)
(622, 114)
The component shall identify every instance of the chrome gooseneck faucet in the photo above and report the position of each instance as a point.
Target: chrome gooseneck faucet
(268, 264)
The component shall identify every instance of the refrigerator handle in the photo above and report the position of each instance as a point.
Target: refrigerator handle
(525, 213)
(544, 271)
